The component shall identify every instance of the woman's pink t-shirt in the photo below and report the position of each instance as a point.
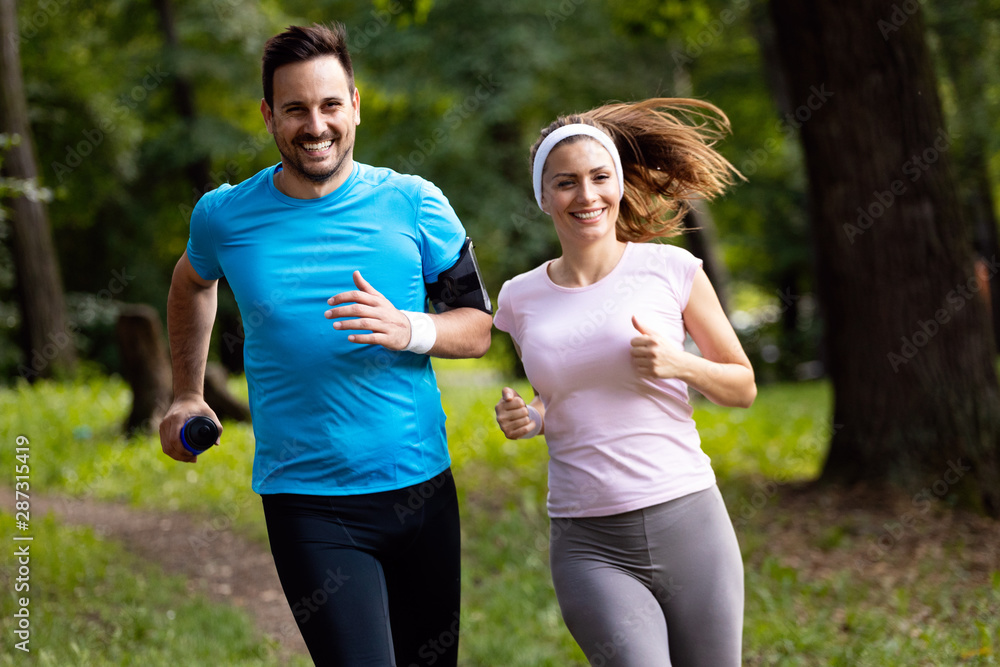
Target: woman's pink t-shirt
(617, 442)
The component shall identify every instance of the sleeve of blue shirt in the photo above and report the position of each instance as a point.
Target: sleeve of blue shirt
(440, 233)
(201, 248)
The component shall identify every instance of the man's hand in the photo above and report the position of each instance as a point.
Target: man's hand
(513, 416)
(180, 411)
(389, 327)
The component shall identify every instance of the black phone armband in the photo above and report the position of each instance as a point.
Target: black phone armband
(461, 286)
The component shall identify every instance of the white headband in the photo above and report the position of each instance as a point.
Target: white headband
(568, 131)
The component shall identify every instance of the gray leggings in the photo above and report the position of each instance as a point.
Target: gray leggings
(654, 587)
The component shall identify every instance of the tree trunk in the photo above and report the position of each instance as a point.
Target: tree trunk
(200, 176)
(47, 338)
(198, 170)
(911, 353)
(700, 240)
(701, 235)
(145, 366)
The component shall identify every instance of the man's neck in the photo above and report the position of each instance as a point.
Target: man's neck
(298, 187)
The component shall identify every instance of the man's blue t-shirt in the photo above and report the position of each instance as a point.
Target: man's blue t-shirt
(331, 417)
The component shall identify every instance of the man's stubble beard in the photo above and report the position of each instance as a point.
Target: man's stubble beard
(300, 169)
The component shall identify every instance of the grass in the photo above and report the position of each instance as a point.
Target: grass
(941, 613)
(91, 603)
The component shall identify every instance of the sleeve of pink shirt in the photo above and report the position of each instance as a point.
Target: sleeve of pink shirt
(687, 266)
(503, 319)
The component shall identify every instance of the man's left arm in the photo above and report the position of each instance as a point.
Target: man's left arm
(453, 334)
(464, 316)
(462, 321)
(461, 333)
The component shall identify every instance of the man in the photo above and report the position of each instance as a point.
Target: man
(347, 418)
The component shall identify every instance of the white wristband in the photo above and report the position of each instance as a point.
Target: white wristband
(422, 332)
(535, 417)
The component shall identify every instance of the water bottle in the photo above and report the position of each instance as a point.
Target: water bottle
(198, 434)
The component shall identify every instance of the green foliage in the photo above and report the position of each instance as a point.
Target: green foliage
(91, 603)
(783, 436)
(842, 621)
(77, 447)
(116, 151)
(965, 38)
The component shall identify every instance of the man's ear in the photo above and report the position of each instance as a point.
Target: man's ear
(265, 111)
(357, 106)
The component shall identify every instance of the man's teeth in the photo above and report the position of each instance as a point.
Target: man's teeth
(589, 216)
(321, 146)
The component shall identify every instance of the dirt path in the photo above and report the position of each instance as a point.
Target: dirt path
(227, 568)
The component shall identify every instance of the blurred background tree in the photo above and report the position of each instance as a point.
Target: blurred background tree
(910, 343)
(45, 336)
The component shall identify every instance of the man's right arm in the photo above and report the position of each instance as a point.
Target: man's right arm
(191, 307)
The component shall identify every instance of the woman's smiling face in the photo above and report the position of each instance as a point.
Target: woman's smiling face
(580, 191)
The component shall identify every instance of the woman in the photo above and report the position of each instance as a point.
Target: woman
(644, 558)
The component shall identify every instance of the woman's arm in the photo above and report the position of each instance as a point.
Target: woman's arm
(513, 416)
(723, 373)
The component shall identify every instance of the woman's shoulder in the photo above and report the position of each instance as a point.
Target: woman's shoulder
(528, 278)
(529, 286)
(663, 255)
(668, 250)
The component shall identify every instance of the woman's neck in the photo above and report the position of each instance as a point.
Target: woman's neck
(580, 267)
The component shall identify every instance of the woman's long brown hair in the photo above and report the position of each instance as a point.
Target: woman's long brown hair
(666, 149)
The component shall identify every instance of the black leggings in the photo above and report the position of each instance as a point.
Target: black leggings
(372, 579)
